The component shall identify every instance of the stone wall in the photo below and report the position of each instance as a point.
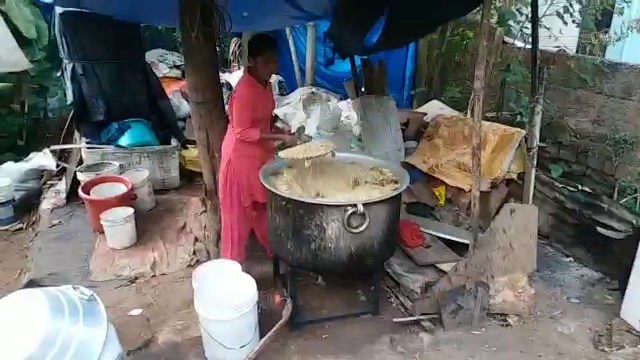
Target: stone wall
(588, 99)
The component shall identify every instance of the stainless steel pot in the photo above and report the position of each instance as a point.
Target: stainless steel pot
(325, 235)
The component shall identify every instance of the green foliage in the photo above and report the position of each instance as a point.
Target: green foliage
(26, 17)
(25, 98)
(620, 145)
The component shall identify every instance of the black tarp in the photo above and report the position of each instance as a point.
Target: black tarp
(406, 21)
(110, 79)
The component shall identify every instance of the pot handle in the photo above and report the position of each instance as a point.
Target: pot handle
(358, 209)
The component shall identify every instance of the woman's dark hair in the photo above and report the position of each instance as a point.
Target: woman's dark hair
(260, 44)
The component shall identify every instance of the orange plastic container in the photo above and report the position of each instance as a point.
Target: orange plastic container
(96, 206)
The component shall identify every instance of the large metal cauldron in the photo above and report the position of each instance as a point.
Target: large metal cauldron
(331, 236)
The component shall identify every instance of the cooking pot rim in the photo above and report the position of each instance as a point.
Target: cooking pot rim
(277, 164)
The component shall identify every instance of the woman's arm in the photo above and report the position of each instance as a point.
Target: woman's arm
(245, 130)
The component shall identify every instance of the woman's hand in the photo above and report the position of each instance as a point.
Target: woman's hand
(290, 140)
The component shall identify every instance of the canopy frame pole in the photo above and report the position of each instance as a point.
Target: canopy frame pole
(310, 63)
(478, 114)
(294, 56)
(199, 31)
(538, 79)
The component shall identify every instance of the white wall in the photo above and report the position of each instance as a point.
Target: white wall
(554, 34)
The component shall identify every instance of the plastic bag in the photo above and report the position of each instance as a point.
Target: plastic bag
(42, 160)
(314, 108)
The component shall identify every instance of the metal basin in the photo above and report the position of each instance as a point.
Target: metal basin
(325, 235)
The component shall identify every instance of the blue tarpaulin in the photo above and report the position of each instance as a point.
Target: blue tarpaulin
(332, 72)
(245, 15)
(269, 15)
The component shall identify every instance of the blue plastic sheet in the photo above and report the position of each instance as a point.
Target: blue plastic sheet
(269, 15)
(245, 15)
(332, 72)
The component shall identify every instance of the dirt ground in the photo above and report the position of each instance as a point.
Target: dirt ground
(571, 302)
(14, 247)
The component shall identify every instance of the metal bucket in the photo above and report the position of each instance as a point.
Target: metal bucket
(65, 322)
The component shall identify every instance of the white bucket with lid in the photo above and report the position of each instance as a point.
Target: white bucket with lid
(226, 301)
(7, 215)
(50, 323)
(145, 199)
(119, 225)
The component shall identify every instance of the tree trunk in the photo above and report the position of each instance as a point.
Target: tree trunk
(199, 31)
(478, 114)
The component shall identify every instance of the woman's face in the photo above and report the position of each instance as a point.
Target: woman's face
(265, 65)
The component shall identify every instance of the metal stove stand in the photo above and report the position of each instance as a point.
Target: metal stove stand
(290, 282)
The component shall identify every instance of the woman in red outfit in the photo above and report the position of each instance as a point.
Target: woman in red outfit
(247, 146)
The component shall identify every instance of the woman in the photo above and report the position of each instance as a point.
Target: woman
(247, 146)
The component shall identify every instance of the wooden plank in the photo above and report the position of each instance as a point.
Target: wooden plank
(404, 305)
(413, 279)
(432, 252)
(439, 229)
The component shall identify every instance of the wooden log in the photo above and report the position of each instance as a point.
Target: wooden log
(199, 29)
(507, 248)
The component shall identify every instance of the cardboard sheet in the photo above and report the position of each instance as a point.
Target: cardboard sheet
(445, 151)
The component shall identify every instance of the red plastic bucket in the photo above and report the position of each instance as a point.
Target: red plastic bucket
(96, 206)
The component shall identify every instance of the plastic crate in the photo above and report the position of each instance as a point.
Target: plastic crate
(163, 162)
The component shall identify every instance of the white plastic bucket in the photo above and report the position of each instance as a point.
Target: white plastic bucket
(226, 302)
(108, 190)
(145, 200)
(119, 225)
(89, 171)
(7, 216)
(50, 323)
(202, 273)
(6, 189)
(112, 349)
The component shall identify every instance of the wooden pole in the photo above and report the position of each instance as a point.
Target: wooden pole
(535, 118)
(310, 63)
(533, 140)
(199, 31)
(294, 57)
(478, 114)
